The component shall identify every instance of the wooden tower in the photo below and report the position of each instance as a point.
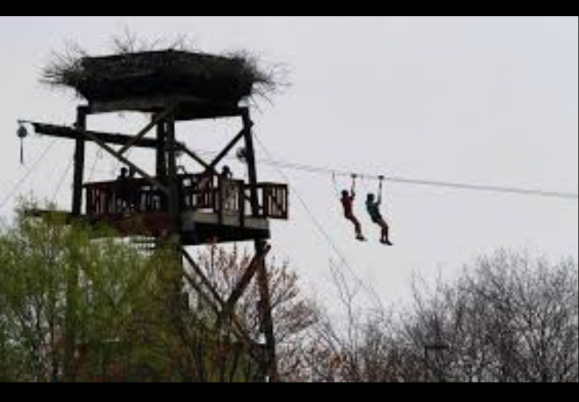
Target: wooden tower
(182, 209)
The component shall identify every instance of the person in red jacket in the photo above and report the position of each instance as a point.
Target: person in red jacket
(348, 198)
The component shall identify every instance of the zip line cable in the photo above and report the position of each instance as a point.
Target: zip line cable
(320, 227)
(431, 183)
(335, 173)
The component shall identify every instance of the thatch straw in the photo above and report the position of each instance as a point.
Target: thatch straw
(155, 69)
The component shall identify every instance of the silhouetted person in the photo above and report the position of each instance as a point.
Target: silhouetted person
(135, 190)
(226, 173)
(373, 207)
(228, 186)
(124, 190)
(348, 198)
(124, 174)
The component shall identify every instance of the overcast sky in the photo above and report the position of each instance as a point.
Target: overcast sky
(475, 100)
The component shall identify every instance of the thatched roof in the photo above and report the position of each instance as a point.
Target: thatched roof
(223, 79)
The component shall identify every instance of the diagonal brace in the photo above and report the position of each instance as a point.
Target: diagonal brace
(204, 280)
(141, 134)
(124, 160)
(216, 302)
(195, 157)
(244, 282)
(228, 148)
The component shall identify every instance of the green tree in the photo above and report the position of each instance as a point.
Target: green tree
(81, 304)
(67, 294)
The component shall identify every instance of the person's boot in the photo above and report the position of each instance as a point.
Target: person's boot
(386, 241)
(387, 238)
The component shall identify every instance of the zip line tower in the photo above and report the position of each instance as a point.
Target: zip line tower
(170, 206)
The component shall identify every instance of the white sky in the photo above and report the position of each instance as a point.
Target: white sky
(476, 100)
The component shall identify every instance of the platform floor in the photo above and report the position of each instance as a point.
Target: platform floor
(198, 228)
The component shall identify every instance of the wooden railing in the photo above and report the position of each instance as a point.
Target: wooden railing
(205, 193)
(274, 200)
(123, 196)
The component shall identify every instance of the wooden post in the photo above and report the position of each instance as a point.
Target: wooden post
(141, 134)
(72, 277)
(173, 241)
(172, 178)
(115, 154)
(161, 159)
(79, 162)
(251, 164)
(269, 369)
(161, 154)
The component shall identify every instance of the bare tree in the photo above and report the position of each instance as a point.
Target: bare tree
(293, 313)
(507, 318)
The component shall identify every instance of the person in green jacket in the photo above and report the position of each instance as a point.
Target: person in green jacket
(373, 205)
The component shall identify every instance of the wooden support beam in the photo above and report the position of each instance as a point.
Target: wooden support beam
(79, 162)
(204, 280)
(190, 108)
(244, 282)
(267, 324)
(269, 363)
(172, 179)
(238, 327)
(217, 304)
(141, 134)
(209, 168)
(108, 138)
(195, 157)
(229, 147)
(199, 289)
(251, 164)
(72, 273)
(161, 157)
(125, 161)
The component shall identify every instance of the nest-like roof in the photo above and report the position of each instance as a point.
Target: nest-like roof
(162, 74)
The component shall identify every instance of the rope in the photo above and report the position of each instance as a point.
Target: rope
(61, 181)
(324, 233)
(98, 156)
(381, 188)
(335, 184)
(24, 178)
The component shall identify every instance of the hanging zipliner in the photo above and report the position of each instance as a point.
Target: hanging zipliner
(373, 204)
(347, 199)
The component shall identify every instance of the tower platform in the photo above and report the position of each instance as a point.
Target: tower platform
(214, 209)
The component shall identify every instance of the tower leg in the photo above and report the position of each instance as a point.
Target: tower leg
(161, 152)
(173, 238)
(269, 363)
(79, 163)
(267, 326)
(72, 281)
(173, 179)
